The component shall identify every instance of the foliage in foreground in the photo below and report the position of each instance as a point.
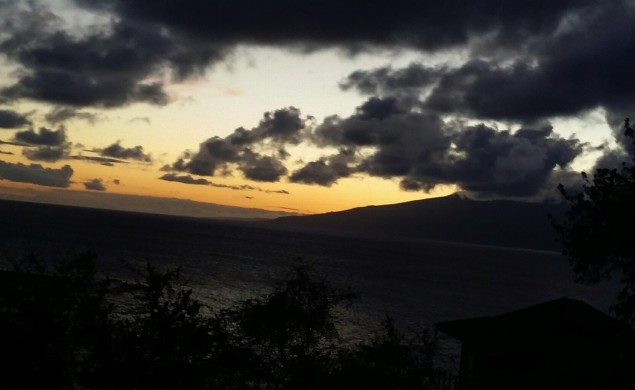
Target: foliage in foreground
(67, 329)
(598, 232)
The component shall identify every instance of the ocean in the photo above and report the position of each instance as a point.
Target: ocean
(417, 282)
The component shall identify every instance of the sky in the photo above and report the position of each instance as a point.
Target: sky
(308, 106)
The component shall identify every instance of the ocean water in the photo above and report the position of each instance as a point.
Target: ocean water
(416, 282)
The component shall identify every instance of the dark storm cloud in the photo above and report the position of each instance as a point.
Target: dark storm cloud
(276, 129)
(214, 154)
(95, 185)
(524, 62)
(61, 87)
(487, 161)
(110, 66)
(36, 174)
(580, 67)
(424, 151)
(327, 170)
(386, 80)
(261, 168)
(422, 24)
(188, 179)
(117, 151)
(43, 136)
(44, 145)
(107, 67)
(382, 122)
(60, 114)
(12, 120)
(46, 153)
(388, 138)
(281, 126)
(396, 141)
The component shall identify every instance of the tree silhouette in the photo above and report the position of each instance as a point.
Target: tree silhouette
(389, 361)
(598, 231)
(54, 326)
(66, 327)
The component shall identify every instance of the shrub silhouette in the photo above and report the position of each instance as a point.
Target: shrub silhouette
(66, 328)
(290, 334)
(390, 361)
(165, 340)
(55, 326)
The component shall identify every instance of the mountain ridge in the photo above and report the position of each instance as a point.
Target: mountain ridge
(452, 218)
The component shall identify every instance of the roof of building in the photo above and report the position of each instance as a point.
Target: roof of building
(553, 319)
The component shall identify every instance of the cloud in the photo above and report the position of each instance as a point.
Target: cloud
(105, 66)
(13, 143)
(185, 179)
(325, 171)
(389, 138)
(130, 58)
(487, 161)
(386, 80)
(60, 87)
(426, 25)
(36, 174)
(115, 150)
(276, 130)
(425, 151)
(519, 65)
(44, 145)
(213, 156)
(381, 122)
(280, 126)
(95, 185)
(100, 160)
(44, 137)
(261, 168)
(45, 153)
(61, 114)
(143, 119)
(579, 68)
(188, 179)
(12, 120)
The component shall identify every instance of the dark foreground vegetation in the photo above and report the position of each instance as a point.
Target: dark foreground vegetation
(598, 231)
(63, 327)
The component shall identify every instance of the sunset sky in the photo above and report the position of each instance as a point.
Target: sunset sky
(309, 106)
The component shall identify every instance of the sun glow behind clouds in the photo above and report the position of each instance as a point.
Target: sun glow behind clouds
(266, 78)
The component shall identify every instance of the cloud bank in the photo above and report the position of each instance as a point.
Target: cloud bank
(522, 64)
(554, 57)
(36, 174)
(393, 139)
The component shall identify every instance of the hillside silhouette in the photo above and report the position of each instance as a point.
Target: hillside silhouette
(452, 218)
